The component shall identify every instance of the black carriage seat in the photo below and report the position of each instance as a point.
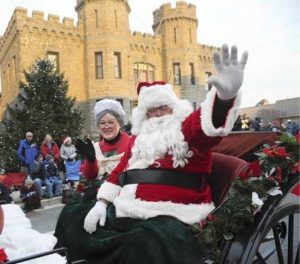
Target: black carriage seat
(224, 169)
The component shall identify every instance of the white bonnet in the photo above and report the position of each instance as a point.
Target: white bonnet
(108, 105)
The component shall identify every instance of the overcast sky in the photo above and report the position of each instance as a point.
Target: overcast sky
(268, 29)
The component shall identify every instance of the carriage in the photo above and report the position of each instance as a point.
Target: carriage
(273, 236)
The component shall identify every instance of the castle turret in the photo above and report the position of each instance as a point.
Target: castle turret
(104, 16)
(106, 46)
(178, 26)
(178, 29)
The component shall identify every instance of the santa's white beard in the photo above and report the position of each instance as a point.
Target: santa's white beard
(159, 136)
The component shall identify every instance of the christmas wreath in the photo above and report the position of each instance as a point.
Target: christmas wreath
(274, 167)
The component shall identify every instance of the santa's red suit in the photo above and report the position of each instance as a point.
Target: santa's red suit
(149, 200)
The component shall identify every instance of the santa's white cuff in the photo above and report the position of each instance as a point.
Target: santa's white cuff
(108, 191)
(206, 115)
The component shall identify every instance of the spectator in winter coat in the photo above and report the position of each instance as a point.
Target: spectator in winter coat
(245, 123)
(38, 175)
(67, 150)
(53, 180)
(4, 195)
(237, 124)
(50, 147)
(257, 124)
(289, 127)
(30, 196)
(27, 150)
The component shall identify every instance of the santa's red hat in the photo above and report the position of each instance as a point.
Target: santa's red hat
(65, 139)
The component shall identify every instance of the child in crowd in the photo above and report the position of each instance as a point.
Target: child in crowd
(37, 174)
(52, 177)
(30, 196)
(4, 195)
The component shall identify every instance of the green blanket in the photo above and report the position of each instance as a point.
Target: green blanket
(159, 240)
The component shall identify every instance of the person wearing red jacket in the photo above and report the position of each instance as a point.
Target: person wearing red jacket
(50, 147)
(160, 186)
(103, 156)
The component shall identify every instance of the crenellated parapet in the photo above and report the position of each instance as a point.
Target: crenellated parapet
(81, 3)
(145, 41)
(208, 48)
(205, 54)
(166, 12)
(9, 36)
(37, 23)
(11, 25)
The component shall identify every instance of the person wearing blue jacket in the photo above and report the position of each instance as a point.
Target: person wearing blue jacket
(27, 151)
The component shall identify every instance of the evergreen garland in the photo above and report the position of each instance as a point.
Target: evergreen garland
(42, 106)
(277, 165)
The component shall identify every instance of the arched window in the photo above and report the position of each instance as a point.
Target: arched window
(143, 72)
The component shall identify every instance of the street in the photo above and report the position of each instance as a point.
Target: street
(44, 220)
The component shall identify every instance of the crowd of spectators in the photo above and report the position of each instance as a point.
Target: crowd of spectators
(43, 167)
(244, 123)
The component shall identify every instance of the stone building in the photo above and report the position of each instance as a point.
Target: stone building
(101, 58)
(281, 110)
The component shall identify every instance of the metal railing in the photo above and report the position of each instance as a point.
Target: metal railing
(63, 251)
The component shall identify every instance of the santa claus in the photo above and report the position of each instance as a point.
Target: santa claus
(165, 167)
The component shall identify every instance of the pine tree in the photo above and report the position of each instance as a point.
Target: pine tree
(42, 107)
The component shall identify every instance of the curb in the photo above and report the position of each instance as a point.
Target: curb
(44, 202)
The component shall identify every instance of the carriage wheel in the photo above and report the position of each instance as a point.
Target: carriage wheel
(280, 244)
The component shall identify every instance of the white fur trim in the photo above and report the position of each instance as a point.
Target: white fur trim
(66, 139)
(128, 206)
(108, 191)
(108, 104)
(206, 116)
(156, 95)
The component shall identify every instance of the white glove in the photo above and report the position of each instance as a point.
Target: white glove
(98, 212)
(230, 72)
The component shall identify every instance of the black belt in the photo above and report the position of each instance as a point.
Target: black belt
(164, 177)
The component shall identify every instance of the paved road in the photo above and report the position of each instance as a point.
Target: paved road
(44, 220)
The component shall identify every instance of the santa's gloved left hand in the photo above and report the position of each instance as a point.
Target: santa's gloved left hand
(95, 215)
(230, 72)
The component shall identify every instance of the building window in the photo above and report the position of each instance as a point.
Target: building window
(143, 72)
(99, 65)
(54, 58)
(177, 73)
(116, 19)
(117, 65)
(96, 18)
(175, 38)
(208, 85)
(15, 68)
(192, 74)
(190, 31)
(10, 77)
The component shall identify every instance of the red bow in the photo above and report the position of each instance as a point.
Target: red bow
(147, 84)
